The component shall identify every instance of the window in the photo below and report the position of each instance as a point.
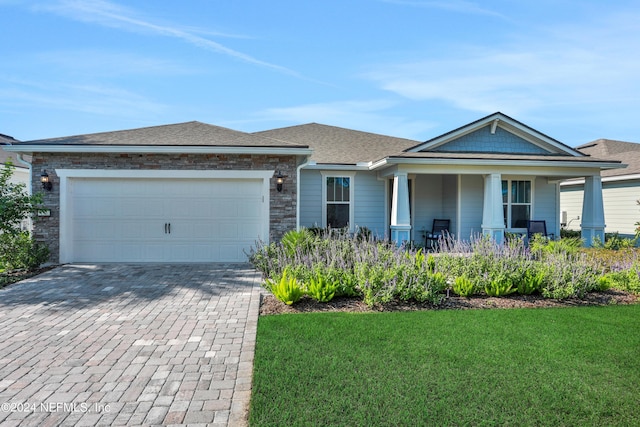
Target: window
(516, 201)
(338, 201)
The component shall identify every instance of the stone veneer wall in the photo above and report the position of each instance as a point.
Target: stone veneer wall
(282, 205)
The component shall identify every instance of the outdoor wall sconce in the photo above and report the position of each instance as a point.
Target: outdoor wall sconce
(44, 179)
(279, 181)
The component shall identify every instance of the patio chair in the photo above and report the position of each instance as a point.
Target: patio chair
(538, 227)
(439, 229)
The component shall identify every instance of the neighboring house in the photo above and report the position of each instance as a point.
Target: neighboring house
(21, 173)
(194, 192)
(620, 188)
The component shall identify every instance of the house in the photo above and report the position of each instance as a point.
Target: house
(194, 192)
(21, 171)
(620, 188)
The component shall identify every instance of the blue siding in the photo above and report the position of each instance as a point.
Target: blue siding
(482, 141)
(428, 203)
(310, 198)
(472, 200)
(545, 205)
(450, 201)
(370, 202)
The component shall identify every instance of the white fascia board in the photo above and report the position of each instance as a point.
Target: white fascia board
(495, 162)
(604, 179)
(337, 167)
(157, 149)
(172, 173)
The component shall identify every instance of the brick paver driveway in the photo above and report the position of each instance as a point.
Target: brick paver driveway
(129, 345)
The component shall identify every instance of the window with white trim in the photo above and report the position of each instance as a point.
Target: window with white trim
(337, 200)
(516, 201)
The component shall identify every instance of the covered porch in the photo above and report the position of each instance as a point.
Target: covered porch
(491, 201)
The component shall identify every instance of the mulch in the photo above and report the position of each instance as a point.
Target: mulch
(9, 277)
(270, 305)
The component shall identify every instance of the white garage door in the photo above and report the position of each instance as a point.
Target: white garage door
(164, 220)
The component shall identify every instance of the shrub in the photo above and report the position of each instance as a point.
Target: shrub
(378, 282)
(626, 280)
(321, 288)
(542, 247)
(295, 240)
(20, 251)
(464, 286)
(568, 276)
(499, 286)
(614, 242)
(286, 289)
(570, 234)
(605, 282)
(531, 282)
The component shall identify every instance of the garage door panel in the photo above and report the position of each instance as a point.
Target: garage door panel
(250, 231)
(228, 230)
(95, 207)
(124, 219)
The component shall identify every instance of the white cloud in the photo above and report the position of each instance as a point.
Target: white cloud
(115, 16)
(578, 66)
(95, 99)
(102, 63)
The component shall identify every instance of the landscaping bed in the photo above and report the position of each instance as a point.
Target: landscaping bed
(9, 277)
(335, 272)
(271, 305)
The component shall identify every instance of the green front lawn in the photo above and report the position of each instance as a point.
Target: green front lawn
(568, 366)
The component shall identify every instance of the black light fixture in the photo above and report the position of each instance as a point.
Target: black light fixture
(44, 179)
(279, 181)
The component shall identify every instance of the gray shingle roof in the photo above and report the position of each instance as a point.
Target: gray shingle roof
(5, 155)
(181, 134)
(626, 152)
(335, 145)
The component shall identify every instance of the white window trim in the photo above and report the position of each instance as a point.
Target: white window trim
(339, 174)
(510, 179)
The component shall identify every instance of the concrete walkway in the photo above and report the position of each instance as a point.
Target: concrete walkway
(86, 345)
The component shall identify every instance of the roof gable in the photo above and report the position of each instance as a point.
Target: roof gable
(499, 134)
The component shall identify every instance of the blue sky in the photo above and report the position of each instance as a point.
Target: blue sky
(407, 68)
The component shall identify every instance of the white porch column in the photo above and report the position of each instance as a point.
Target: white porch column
(492, 211)
(592, 210)
(400, 216)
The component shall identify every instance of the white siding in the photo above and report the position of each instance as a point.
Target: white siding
(472, 198)
(310, 198)
(571, 203)
(620, 208)
(545, 206)
(621, 211)
(370, 202)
